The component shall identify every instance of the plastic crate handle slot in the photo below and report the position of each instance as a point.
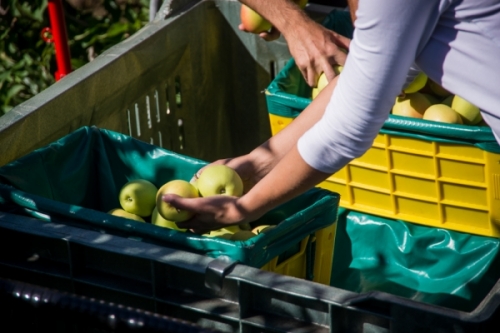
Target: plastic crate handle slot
(217, 270)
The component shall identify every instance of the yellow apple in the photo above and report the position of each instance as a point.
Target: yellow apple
(123, 213)
(262, 228)
(219, 179)
(469, 112)
(221, 233)
(252, 21)
(158, 220)
(138, 197)
(418, 83)
(242, 235)
(181, 188)
(323, 81)
(442, 113)
(411, 105)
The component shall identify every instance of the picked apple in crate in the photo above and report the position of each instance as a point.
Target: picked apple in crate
(138, 197)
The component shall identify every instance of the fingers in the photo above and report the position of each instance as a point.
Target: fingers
(329, 72)
(242, 27)
(271, 35)
(179, 202)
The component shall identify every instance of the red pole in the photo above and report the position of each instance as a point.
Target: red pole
(60, 38)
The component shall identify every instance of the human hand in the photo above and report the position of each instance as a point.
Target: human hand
(246, 167)
(211, 213)
(316, 49)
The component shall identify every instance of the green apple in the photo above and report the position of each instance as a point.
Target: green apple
(467, 110)
(138, 197)
(418, 83)
(219, 179)
(262, 228)
(123, 213)
(158, 220)
(222, 233)
(442, 113)
(323, 81)
(242, 235)
(411, 105)
(181, 188)
(252, 21)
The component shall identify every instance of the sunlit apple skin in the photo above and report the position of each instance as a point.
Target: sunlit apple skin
(417, 84)
(252, 21)
(242, 235)
(323, 81)
(138, 197)
(262, 229)
(411, 105)
(442, 113)
(123, 213)
(469, 112)
(181, 188)
(158, 220)
(219, 179)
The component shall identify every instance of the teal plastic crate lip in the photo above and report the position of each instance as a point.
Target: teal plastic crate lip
(316, 216)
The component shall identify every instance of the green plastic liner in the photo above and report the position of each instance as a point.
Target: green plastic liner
(430, 265)
(77, 179)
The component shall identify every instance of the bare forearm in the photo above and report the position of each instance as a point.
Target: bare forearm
(272, 151)
(291, 177)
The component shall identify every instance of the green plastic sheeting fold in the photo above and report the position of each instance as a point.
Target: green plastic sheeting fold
(77, 180)
(430, 265)
(288, 95)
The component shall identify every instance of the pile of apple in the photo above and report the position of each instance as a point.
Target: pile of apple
(141, 200)
(425, 99)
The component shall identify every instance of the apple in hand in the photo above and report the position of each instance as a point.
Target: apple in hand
(123, 213)
(138, 197)
(158, 220)
(323, 81)
(219, 179)
(178, 187)
(252, 21)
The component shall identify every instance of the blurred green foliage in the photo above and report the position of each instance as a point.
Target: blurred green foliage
(27, 63)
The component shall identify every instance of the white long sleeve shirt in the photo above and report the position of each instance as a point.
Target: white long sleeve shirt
(455, 42)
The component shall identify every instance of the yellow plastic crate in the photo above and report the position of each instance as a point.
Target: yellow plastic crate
(438, 184)
(322, 244)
